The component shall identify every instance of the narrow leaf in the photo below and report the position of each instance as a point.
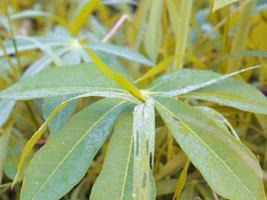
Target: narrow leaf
(153, 34)
(64, 160)
(115, 180)
(144, 139)
(121, 51)
(211, 86)
(157, 69)
(38, 134)
(61, 81)
(213, 151)
(218, 118)
(76, 24)
(181, 181)
(123, 82)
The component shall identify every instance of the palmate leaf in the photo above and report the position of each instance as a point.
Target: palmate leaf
(227, 165)
(116, 178)
(61, 81)
(211, 86)
(64, 160)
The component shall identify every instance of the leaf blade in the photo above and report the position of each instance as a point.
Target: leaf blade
(64, 160)
(211, 86)
(115, 179)
(68, 80)
(221, 155)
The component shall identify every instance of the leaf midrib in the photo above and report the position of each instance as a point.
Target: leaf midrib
(79, 141)
(205, 144)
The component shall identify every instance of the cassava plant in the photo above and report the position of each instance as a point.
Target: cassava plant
(126, 101)
(228, 166)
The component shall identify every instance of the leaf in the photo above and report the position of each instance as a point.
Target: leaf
(181, 181)
(182, 34)
(188, 193)
(62, 81)
(153, 33)
(115, 180)
(123, 82)
(38, 134)
(76, 24)
(157, 69)
(6, 107)
(25, 43)
(211, 86)
(62, 116)
(213, 151)
(64, 160)
(217, 4)
(4, 138)
(14, 151)
(144, 145)
(174, 16)
(37, 13)
(121, 51)
(44, 62)
(218, 118)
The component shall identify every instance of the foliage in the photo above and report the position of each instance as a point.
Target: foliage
(133, 100)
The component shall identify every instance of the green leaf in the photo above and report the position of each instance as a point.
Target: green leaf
(153, 34)
(62, 116)
(38, 134)
(62, 81)
(121, 51)
(213, 151)
(76, 24)
(217, 4)
(6, 107)
(218, 118)
(157, 69)
(64, 160)
(181, 181)
(115, 180)
(144, 145)
(211, 86)
(15, 147)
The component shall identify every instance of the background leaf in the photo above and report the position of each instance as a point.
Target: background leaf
(6, 107)
(153, 34)
(4, 138)
(121, 51)
(217, 4)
